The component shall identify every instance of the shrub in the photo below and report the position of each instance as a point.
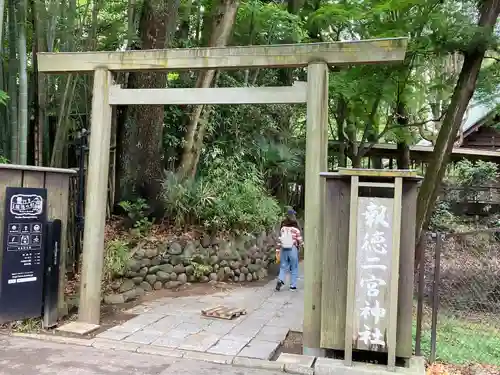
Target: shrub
(228, 196)
(468, 174)
(136, 212)
(442, 218)
(186, 200)
(116, 256)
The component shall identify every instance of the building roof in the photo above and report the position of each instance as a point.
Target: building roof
(423, 153)
(478, 115)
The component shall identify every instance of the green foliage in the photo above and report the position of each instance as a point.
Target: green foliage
(29, 325)
(201, 269)
(463, 340)
(470, 174)
(4, 160)
(260, 22)
(277, 158)
(464, 176)
(116, 256)
(4, 98)
(265, 143)
(136, 212)
(227, 196)
(442, 218)
(488, 82)
(185, 200)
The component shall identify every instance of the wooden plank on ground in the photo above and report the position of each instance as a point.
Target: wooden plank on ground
(223, 312)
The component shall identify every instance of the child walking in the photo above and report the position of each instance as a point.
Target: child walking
(288, 244)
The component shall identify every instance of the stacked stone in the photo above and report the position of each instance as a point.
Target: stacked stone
(175, 262)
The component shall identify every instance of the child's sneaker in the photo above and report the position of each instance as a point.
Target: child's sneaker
(279, 284)
(293, 288)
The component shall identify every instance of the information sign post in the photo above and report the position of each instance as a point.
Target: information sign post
(21, 285)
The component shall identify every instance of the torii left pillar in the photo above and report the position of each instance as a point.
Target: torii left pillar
(316, 162)
(95, 199)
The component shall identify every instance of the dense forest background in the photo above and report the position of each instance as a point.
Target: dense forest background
(236, 167)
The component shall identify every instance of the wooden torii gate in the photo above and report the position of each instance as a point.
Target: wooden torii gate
(315, 56)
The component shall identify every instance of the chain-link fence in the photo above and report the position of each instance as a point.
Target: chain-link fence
(458, 310)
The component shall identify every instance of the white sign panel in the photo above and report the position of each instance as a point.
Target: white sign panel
(373, 265)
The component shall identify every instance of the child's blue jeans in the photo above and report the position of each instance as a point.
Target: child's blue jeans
(289, 260)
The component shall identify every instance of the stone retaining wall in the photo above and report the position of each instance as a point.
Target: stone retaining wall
(177, 261)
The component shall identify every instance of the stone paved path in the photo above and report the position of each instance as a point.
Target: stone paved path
(177, 324)
(20, 356)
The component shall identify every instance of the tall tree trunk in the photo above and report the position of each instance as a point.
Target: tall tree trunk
(340, 118)
(141, 135)
(279, 183)
(53, 15)
(23, 85)
(49, 20)
(2, 13)
(185, 24)
(131, 30)
(223, 17)
(37, 136)
(205, 117)
(356, 160)
(120, 113)
(452, 121)
(403, 158)
(64, 123)
(3, 113)
(39, 45)
(372, 135)
(354, 149)
(13, 69)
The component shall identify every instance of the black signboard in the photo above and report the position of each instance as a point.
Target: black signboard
(21, 284)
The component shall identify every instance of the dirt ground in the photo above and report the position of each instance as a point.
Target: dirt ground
(291, 345)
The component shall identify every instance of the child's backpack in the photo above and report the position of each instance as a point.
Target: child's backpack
(286, 238)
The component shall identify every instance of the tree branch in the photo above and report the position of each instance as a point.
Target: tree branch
(492, 58)
(371, 118)
(367, 146)
(427, 121)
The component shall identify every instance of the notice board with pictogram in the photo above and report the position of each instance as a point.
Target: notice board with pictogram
(21, 283)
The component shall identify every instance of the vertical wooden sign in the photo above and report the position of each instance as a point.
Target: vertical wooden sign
(373, 273)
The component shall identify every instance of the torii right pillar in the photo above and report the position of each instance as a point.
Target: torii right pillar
(317, 162)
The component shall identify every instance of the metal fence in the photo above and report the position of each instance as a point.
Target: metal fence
(458, 298)
(74, 233)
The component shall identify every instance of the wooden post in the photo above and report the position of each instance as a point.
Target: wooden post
(351, 269)
(316, 162)
(394, 282)
(95, 199)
